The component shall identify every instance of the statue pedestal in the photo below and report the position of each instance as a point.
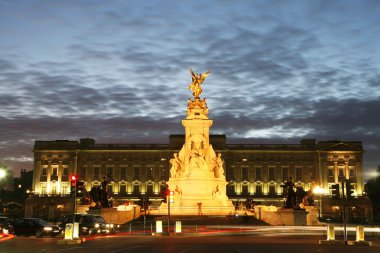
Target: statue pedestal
(292, 217)
(197, 173)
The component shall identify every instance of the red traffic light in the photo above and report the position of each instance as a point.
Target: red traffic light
(74, 178)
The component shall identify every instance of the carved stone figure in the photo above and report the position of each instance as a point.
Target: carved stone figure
(177, 166)
(218, 169)
(197, 80)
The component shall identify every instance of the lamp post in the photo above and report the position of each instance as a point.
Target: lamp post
(319, 191)
(3, 174)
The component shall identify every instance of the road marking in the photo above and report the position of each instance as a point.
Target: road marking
(62, 250)
(189, 249)
(126, 249)
(237, 249)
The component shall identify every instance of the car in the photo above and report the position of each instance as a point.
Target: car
(6, 226)
(35, 226)
(88, 224)
(105, 227)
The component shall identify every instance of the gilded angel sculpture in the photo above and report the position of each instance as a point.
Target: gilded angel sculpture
(197, 80)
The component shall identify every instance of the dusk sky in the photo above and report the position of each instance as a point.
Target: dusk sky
(118, 71)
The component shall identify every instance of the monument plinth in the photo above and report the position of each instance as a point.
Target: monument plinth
(197, 173)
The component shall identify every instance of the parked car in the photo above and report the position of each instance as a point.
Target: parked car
(88, 224)
(35, 226)
(105, 227)
(6, 226)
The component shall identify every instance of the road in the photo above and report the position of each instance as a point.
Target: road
(275, 242)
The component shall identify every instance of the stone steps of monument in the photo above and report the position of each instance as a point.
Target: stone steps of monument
(201, 220)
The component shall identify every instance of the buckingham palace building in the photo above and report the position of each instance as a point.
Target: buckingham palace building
(253, 171)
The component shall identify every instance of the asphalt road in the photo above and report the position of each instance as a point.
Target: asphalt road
(238, 243)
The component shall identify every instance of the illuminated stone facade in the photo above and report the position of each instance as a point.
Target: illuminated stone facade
(252, 170)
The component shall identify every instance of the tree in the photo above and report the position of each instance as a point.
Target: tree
(6, 182)
(373, 191)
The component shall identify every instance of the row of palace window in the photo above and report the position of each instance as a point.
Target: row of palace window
(150, 192)
(341, 171)
(96, 173)
(259, 171)
(137, 171)
(270, 172)
(258, 190)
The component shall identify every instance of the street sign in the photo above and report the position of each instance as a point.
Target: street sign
(69, 231)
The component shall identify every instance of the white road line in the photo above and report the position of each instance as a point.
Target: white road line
(125, 249)
(189, 249)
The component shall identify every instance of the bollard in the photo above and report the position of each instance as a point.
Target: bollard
(359, 233)
(359, 238)
(330, 233)
(178, 227)
(159, 227)
(331, 237)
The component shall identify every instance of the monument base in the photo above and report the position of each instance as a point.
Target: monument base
(285, 216)
(190, 210)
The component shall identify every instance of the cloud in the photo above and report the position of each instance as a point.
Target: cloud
(119, 72)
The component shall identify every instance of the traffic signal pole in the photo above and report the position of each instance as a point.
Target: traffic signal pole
(344, 214)
(168, 201)
(74, 192)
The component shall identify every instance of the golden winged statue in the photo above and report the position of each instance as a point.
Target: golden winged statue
(197, 80)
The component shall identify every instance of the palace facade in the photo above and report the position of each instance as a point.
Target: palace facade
(254, 171)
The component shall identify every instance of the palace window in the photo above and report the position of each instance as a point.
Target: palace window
(149, 189)
(110, 189)
(109, 172)
(136, 173)
(43, 189)
(352, 172)
(244, 190)
(64, 189)
(150, 174)
(298, 174)
(96, 172)
(330, 172)
(123, 189)
(271, 173)
(136, 189)
(259, 190)
(285, 173)
(244, 173)
(230, 173)
(272, 190)
(123, 173)
(230, 189)
(341, 172)
(258, 173)
(82, 173)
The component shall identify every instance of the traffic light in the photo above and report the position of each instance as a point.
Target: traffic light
(171, 197)
(163, 195)
(146, 202)
(73, 184)
(349, 189)
(80, 189)
(335, 191)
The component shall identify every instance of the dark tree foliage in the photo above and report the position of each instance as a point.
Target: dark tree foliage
(373, 191)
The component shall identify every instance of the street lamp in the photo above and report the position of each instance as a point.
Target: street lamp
(3, 173)
(319, 191)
